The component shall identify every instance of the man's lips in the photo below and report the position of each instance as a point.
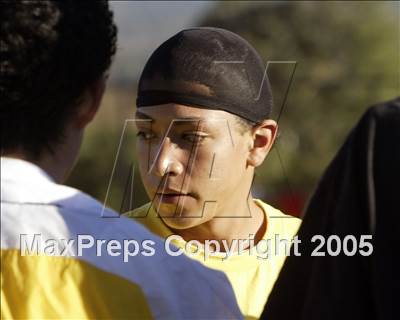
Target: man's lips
(171, 191)
(171, 197)
(171, 194)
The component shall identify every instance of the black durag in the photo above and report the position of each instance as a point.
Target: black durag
(358, 195)
(207, 68)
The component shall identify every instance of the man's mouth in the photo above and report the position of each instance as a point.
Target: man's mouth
(171, 197)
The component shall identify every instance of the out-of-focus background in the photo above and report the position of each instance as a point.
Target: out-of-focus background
(348, 58)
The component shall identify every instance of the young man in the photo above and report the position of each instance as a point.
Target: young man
(62, 254)
(203, 120)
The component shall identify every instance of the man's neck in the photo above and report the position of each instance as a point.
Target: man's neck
(50, 167)
(249, 222)
(57, 164)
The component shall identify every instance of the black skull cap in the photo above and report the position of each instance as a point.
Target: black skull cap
(208, 68)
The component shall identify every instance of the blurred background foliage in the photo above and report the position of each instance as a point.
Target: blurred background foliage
(345, 57)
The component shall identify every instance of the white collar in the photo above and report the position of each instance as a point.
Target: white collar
(25, 182)
(13, 169)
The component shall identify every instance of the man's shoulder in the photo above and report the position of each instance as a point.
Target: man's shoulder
(38, 205)
(144, 214)
(28, 186)
(148, 217)
(279, 222)
(274, 212)
(139, 212)
(136, 255)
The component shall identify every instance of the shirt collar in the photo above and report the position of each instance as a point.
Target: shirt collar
(25, 182)
(13, 169)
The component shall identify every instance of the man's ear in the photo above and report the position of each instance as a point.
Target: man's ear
(90, 102)
(263, 136)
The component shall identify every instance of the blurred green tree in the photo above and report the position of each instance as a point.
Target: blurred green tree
(347, 56)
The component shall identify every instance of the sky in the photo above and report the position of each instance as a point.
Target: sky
(143, 26)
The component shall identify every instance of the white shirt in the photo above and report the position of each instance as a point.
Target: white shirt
(32, 203)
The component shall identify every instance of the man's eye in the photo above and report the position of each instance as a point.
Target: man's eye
(145, 135)
(192, 137)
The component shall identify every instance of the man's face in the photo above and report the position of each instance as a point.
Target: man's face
(192, 161)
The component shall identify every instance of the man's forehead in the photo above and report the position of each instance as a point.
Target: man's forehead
(181, 113)
(176, 120)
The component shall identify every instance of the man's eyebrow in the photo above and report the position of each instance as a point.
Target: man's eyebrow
(177, 121)
(186, 120)
(142, 115)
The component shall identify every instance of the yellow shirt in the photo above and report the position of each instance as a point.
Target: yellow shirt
(252, 274)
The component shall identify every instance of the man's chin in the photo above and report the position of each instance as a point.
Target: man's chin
(181, 223)
(178, 217)
(175, 209)
(173, 212)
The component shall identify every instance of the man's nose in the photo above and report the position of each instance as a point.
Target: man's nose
(166, 161)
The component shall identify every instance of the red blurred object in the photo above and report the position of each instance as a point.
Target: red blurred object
(291, 203)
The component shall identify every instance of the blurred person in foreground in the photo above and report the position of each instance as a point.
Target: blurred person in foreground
(61, 253)
(357, 197)
(204, 126)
